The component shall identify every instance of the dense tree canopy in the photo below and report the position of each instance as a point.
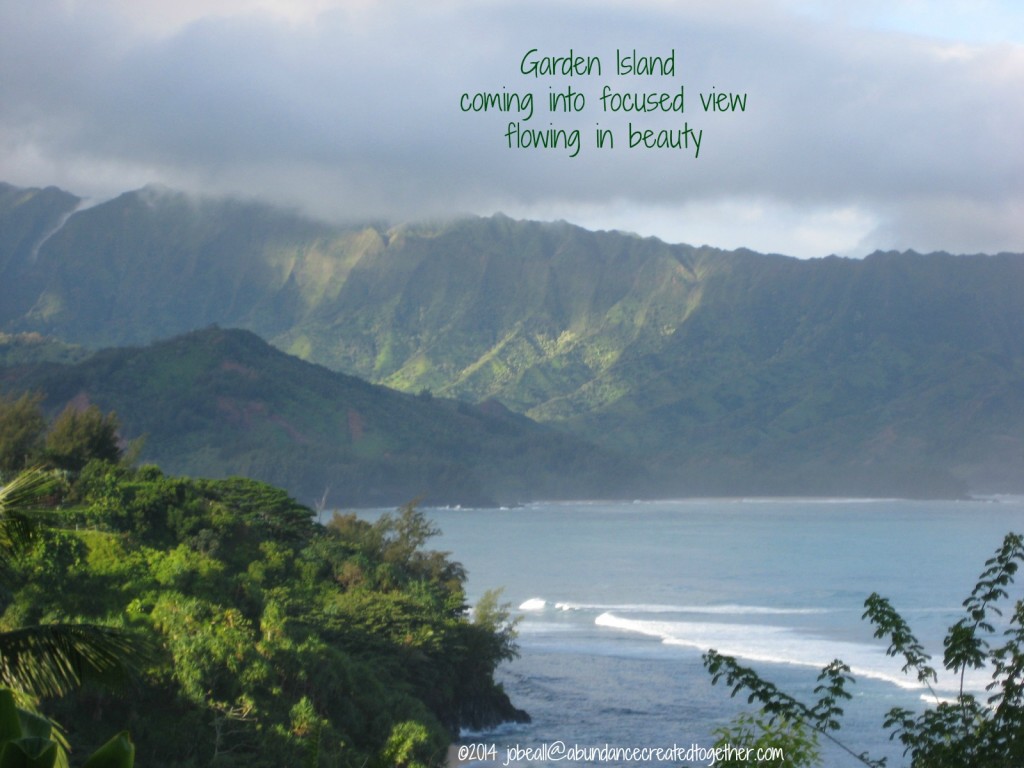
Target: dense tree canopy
(78, 436)
(52, 658)
(73, 439)
(283, 642)
(21, 430)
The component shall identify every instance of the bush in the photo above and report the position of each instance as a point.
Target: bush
(964, 732)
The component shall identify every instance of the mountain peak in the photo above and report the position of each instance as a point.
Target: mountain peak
(723, 368)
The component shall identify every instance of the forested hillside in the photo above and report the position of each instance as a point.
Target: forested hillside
(270, 640)
(722, 371)
(215, 403)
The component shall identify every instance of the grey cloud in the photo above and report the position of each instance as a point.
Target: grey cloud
(357, 112)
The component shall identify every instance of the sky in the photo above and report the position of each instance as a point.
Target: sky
(869, 125)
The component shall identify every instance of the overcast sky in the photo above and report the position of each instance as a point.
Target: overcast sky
(894, 124)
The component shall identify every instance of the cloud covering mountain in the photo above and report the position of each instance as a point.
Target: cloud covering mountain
(722, 371)
(892, 125)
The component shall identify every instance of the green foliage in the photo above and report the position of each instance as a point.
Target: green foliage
(118, 752)
(281, 642)
(77, 437)
(21, 431)
(494, 618)
(54, 658)
(220, 403)
(949, 734)
(776, 705)
(31, 348)
(30, 741)
(794, 742)
(17, 500)
(269, 512)
(405, 747)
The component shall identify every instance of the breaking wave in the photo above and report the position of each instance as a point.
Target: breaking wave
(781, 645)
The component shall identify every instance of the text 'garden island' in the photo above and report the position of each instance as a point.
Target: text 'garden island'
(618, 97)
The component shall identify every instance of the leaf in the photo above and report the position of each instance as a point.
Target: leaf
(16, 505)
(29, 752)
(119, 752)
(902, 641)
(10, 723)
(50, 660)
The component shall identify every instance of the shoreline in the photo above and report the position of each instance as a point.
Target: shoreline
(986, 498)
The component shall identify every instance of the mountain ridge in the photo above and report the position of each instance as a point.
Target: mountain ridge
(219, 402)
(731, 370)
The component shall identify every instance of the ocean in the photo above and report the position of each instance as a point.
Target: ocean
(618, 601)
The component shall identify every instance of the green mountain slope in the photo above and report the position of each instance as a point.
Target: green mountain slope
(526, 312)
(727, 371)
(897, 372)
(214, 403)
(153, 263)
(28, 218)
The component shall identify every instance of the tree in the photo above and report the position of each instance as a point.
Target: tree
(53, 659)
(21, 431)
(963, 732)
(78, 436)
(282, 642)
(779, 743)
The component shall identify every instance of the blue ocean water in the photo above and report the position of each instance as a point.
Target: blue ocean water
(619, 600)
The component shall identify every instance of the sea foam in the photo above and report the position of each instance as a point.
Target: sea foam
(781, 645)
(723, 609)
(533, 604)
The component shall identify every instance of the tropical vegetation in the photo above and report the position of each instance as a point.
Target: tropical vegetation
(263, 638)
(53, 658)
(218, 402)
(986, 732)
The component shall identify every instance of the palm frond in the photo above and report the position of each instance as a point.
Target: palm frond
(17, 502)
(25, 488)
(50, 660)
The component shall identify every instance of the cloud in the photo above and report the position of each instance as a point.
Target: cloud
(855, 134)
